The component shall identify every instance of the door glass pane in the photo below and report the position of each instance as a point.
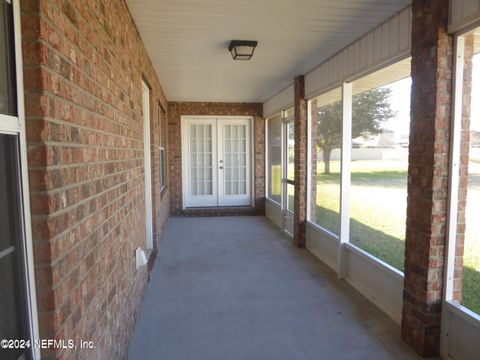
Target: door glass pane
(274, 160)
(228, 187)
(201, 169)
(235, 156)
(208, 131)
(208, 187)
(8, 94)
(13, 319)
(242, 187)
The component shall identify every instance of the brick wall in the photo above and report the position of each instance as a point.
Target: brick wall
(83, 68)
(427, 175)
(177, 109)
(300, 201)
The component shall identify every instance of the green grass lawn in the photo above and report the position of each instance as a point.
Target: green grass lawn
(378, 214)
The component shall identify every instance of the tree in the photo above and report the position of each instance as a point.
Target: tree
(370, 110)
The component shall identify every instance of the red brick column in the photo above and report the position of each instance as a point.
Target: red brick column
(300, 201)
(259, 148)
(427, 175)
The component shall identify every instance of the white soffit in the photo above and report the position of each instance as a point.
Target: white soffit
(187, 41)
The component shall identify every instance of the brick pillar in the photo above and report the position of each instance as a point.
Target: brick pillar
(427, 175)
(259, 145)
(300, 201)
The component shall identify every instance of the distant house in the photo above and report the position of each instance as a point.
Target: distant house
(387, 138)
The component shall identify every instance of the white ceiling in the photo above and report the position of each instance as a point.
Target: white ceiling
(187, 41)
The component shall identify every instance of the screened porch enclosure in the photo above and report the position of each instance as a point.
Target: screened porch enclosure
(239, 179)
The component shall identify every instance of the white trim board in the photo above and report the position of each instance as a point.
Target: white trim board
(282, 100)
(377, 281)
(16, 126)
(273, 211)
(147, 163)
(463, 15)
(462, 331)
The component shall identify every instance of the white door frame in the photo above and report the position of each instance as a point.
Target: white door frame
(287, 215)
(16, 126)
(186, 203)
(147, 165)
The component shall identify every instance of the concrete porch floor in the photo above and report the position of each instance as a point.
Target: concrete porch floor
(235, 288)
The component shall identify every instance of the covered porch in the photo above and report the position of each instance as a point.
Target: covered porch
(160, 199)
(235, 288)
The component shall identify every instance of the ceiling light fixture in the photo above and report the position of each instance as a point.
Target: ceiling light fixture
(242, 49)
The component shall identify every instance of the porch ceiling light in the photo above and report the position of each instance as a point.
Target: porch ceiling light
(242, 49)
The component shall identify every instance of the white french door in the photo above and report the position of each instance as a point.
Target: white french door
(201, 175)
(216, 156)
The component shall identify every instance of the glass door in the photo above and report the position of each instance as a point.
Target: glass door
(288, 175)
(217, 161)
(234, 162)
(201, 172)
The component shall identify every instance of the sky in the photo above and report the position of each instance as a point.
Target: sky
(400, 105)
